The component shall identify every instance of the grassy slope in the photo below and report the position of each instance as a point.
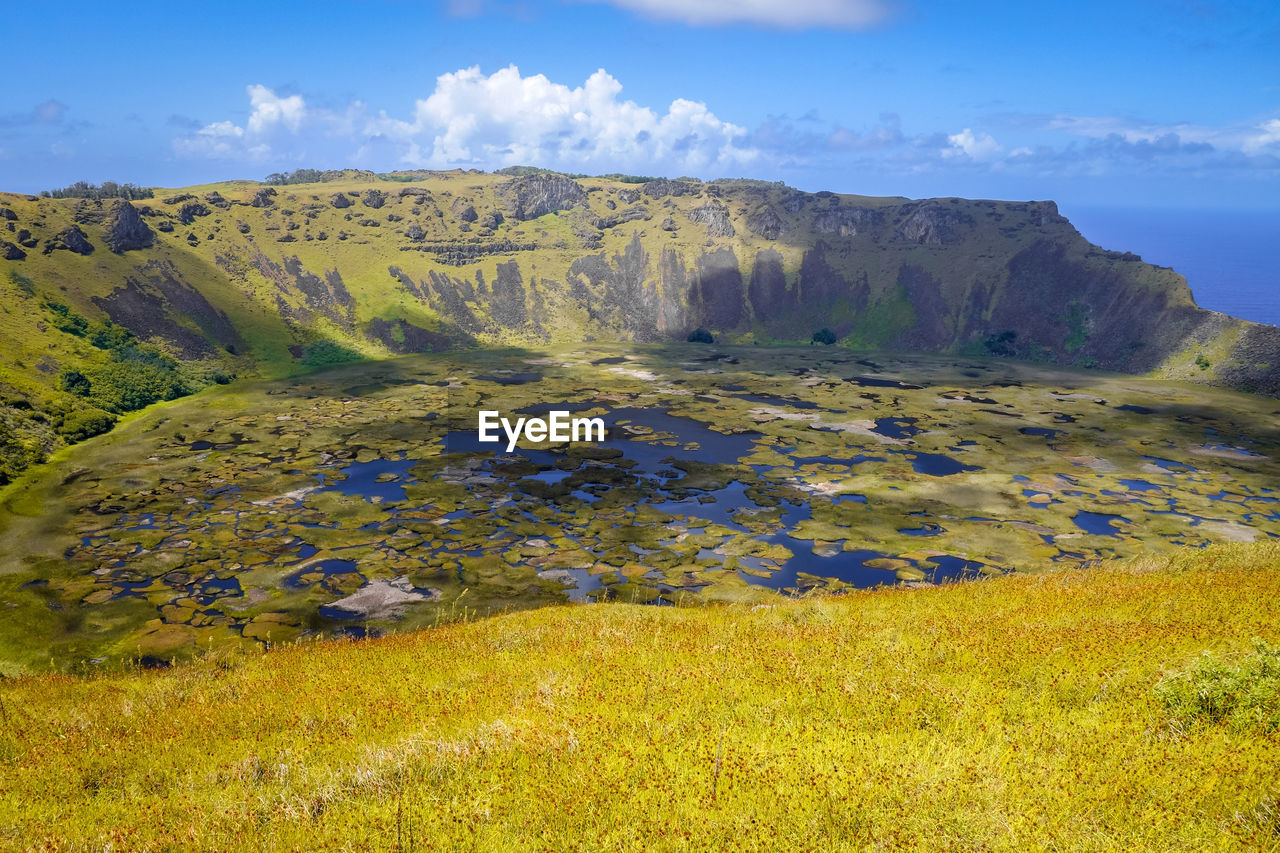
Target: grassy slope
(1020, 713)
(221, 266)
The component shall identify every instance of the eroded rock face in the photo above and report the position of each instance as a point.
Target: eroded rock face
(189, 211)
(932, 223)
(766, 223)
(846, 221)
(715, 216)
(374, 199)
(631, 214)
(663, 187)
(531, 196)
(415, 193)
(128, 232)
(718, 291)
(156, 302)
(72, 239)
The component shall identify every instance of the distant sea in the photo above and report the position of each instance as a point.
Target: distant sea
(1231, 260)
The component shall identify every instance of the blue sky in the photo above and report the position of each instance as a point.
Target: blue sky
(1156, 103)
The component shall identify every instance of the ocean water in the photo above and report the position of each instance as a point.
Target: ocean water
(1231, 259)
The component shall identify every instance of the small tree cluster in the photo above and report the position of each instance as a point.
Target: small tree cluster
(297, 176)
(107, 189)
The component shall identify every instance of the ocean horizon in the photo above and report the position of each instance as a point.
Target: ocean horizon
(1229, 258)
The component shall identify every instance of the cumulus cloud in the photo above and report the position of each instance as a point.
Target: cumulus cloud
(1267, 137)
(979, 147)
(795, 14)
(271, 119)
(269, 110)
(471, 119)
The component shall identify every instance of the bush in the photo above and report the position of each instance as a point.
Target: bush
(18, 451)
(1004, 343)
(327, 352)
(74, 382)
(700, 336)
(85, 423)
(1240, 696)
(65, 319)
(127, 385)
(107, 335)
(824, 336)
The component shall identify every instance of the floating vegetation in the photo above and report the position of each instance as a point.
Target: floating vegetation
(359, 500)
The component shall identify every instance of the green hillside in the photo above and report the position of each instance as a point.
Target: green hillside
(106, 305)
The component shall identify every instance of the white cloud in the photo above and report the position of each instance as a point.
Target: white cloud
(505, 118)
(270, 110)
(1269, 136)
(1133, 131)
(980, 147)
(795, 14)
(488, 121)
(270, 117)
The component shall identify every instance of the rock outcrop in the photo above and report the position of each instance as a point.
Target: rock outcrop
(72, 240)
(664, 187)
(189, 211)
(128, 232)
(530, 196)
(715, 216)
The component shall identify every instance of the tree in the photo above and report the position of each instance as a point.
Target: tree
(824, 336)
(700, 336)
(75, 382)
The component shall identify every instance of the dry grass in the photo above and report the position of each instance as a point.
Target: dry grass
(1013, 714)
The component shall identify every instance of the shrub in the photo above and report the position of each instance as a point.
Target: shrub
(700, 336)
(1003, 343)
(74, 382)
(824, 336)
(85, 423)
(321, 353)
(67, 320)
(125, 385)
(107, 335)
(1241, 695)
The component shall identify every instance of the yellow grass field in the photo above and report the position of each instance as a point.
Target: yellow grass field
(1072, 710)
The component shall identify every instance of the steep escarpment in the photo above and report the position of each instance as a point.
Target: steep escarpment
(241, 278)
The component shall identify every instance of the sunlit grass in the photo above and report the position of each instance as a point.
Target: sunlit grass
(1026, 712)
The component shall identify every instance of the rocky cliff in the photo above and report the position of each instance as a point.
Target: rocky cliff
(239, 278)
